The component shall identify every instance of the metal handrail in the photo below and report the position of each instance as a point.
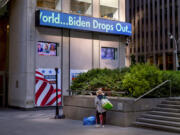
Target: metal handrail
(155, 89)
(90, 92)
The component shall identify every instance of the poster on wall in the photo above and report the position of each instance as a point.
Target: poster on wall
(75, 73)
(45, 88)
(47, 48)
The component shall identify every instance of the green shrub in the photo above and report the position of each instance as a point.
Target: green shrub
(135, 81)
(96, 78)
(174, 76)
(141, 78)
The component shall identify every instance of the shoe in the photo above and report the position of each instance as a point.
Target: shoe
(102, 126)
(97, 126)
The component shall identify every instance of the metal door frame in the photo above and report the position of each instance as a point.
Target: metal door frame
(2, 73)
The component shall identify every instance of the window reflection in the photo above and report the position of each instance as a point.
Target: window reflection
(81, 6)
(52, 4)
(109, 9)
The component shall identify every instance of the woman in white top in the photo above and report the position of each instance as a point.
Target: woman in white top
(100, 112)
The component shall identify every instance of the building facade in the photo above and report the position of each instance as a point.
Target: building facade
(152, 20)
(72, 36)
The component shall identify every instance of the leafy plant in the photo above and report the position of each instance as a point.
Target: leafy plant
(141, 78)
(96, 78)
(174, 76)
(135, 81)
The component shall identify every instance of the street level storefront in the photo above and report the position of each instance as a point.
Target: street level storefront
(49, 39)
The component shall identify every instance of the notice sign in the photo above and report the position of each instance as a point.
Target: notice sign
(75, 73)
(45, 89)
(70, 21)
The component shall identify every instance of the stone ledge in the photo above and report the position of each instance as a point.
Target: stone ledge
(124, 113)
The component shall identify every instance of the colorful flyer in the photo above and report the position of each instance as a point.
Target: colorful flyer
(75, 73)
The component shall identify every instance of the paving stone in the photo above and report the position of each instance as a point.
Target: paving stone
(42, 122)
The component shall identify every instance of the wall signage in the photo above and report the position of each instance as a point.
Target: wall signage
(74, 73)
(71, 21)
(45, 88)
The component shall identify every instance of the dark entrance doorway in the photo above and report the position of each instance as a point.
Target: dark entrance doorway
(4, 56)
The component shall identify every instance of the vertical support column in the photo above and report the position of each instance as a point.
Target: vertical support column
(65, 52)
(127, 57)
(164, 60)
(158, 25)
(31, 54)
(153, 12)
(145, 30)
(173, 21)
(96, 42)
(65, 61)
(173, 32)
(22, 54)
(136, 31)
(96, 51)
(178, 21)
(122, 10)
(174, 61)
(163, 35)
(122, 56)
(122, 52)
(133, 19)
(140, 27)
(177, 25)
(66, 6)
(128, 10)
(96, 8)
(168, 22)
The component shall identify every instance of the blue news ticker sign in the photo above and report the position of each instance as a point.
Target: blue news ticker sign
(71, 21)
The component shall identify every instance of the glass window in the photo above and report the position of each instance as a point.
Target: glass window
(81, 6)
(52, 4)
(109, 9)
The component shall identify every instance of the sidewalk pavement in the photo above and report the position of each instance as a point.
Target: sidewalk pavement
(42, 122)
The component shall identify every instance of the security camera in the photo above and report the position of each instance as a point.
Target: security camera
(127, 41)
(127, 44)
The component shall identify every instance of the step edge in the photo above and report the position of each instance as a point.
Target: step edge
(167, 128)
(161, 121)
(149, 115)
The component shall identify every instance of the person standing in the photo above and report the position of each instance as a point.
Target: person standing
(100, 112)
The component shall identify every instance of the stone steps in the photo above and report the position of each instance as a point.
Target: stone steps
(158, 127)
(171, 102)
(169, 106)
(159, 122)
(167, 109)
(168, 114)
(165, 116)
(158, 117)
(174, 99)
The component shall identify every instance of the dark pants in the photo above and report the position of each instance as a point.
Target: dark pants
(98, 117)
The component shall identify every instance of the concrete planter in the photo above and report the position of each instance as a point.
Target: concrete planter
(124, 113)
